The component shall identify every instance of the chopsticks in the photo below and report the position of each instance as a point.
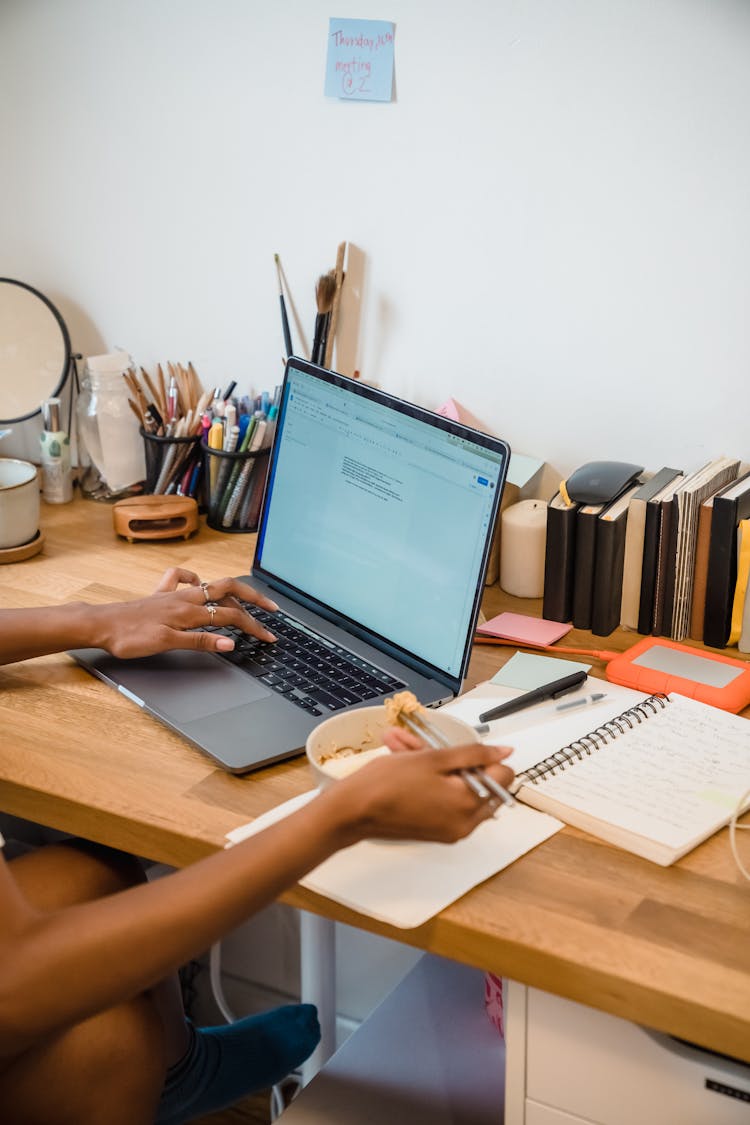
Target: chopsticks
(478, 781)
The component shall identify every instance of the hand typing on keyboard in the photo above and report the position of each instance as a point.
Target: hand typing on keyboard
(309, 669)
(170, 618)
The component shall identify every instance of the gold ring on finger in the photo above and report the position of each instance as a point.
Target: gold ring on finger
(204, 588)
(211, 613)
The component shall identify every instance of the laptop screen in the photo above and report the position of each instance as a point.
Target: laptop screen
(381, 512)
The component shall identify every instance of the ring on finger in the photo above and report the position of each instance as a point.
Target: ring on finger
(204, 588)
(211, 613)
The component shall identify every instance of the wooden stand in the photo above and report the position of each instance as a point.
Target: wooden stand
(155, 517)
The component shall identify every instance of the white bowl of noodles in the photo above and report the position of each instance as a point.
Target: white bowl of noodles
(344, 743)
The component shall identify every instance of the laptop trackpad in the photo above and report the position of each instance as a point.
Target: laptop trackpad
(183, 686)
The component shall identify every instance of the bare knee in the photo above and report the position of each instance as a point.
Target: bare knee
(60, 875)
(129, 1051)
(108, 1068)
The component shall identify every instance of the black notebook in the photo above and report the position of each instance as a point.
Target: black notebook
(559, 559)
(731, 505)
(635, 537)
(609, 564)
(585, 561)
(656, 779)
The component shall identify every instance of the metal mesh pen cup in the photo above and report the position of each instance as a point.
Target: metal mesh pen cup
(173, 464)
(233, 486)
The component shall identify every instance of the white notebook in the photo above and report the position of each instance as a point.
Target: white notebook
(656, 779)
(405, 883)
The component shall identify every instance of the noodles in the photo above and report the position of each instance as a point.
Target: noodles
(402, 703)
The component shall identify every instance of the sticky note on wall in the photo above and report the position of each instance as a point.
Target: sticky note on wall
(359, 63)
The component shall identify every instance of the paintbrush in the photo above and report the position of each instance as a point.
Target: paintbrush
(333, 319)
(282, 303)
(325, 291)
(162, 400)
(151, 387)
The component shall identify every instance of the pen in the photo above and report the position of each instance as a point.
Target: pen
(230, 438)
(584, 701)
(547, 691)
(172, 399)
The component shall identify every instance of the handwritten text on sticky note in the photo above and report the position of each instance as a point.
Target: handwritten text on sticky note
(359, 65)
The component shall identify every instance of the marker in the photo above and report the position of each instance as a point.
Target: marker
(215, 441)
(585, 701)
(230, 419)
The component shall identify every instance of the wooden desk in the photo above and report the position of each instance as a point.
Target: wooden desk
(669, 948)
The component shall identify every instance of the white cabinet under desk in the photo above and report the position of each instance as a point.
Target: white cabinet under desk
(427, 1055)
(567, 1064)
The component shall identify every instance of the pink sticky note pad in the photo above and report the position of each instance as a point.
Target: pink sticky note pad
(450, 409)
(525, 630)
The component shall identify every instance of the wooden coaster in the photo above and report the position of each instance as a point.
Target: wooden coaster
(25, 551)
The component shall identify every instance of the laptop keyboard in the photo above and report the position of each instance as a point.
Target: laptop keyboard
(311, 671)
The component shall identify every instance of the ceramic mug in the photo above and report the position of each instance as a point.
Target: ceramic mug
(19, 502)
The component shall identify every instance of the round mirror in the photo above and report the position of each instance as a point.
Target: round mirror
(34, 351)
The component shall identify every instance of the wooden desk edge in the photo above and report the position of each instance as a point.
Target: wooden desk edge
(115, 568)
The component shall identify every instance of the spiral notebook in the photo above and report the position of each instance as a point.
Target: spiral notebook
(656, 779)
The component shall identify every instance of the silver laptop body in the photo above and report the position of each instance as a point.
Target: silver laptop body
(373, 539)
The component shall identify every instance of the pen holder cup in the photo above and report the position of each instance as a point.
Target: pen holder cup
(233, 488)
(173, 463)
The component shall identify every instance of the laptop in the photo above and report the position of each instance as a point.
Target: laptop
(373, 539)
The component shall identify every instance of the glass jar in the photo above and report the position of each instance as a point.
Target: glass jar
(107, 427)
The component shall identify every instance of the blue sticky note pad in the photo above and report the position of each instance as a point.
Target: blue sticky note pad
(359, 64)
(527, 671)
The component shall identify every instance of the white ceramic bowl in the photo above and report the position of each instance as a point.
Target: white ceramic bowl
(19, 502)
(364, 728)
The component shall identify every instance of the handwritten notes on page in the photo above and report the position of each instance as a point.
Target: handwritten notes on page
(359, 64)
(673, 778)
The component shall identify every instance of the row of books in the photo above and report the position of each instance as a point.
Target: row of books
(669, 557)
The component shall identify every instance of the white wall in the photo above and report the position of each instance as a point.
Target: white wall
(551, 220)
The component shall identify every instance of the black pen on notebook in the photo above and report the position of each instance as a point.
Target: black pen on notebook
(552, 690)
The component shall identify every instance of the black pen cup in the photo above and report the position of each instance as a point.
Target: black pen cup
(173, 464)
(233, 485)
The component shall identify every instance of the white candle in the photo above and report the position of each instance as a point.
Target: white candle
(522, 541)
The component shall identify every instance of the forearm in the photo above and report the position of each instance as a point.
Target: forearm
(26, 633)
(66, 966)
